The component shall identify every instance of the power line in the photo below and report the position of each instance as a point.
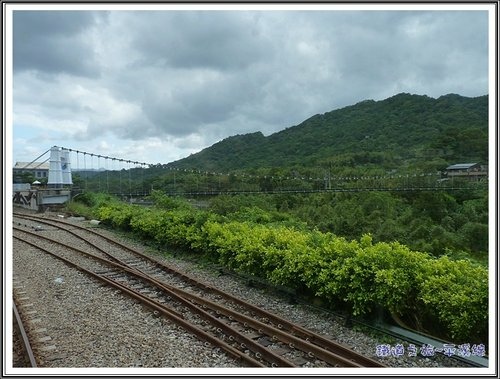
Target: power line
(336, 190)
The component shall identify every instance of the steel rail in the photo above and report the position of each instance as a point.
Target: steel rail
(272, 358)
(242, 339)
(74, 234)
(24, 336)
(287, 325)
(179, 320)
(277, 334)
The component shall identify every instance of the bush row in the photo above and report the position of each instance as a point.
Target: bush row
(446, 296)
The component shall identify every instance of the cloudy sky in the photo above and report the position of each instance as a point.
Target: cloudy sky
(157, 85)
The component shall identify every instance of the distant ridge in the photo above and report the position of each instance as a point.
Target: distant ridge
(402, 130)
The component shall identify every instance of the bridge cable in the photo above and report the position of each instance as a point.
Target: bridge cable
(41, 155)
(142, 175)
(85, 171)
(99, 171)
(129, 180)
(77, 161)
(121, 188)
(107, 173)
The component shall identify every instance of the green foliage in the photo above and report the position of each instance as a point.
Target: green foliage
(399, 135)
(338, 246)
(456, 294)
(25, 177)
(227, 204)
(94, 200)
(380, 274)
(161, 200)
(365, 275)
(117, 215)
(426, 221)
(87, 204)
(448, 297)
(78, 209)
(475, 236)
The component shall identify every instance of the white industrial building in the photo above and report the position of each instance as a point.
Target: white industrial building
(39, 170)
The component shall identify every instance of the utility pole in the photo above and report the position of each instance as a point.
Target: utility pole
(328, 178)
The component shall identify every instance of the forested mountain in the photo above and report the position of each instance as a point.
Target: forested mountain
(403, 131)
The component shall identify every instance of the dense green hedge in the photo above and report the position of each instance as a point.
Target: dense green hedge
(440, 294)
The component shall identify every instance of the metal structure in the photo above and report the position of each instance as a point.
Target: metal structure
(125, 178)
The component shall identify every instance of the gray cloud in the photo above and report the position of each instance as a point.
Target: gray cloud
(53, 42)
(205, 75)
(191, 39)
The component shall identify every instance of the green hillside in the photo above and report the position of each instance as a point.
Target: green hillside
(402, 132)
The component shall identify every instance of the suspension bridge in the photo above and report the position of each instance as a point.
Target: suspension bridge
(131, 179)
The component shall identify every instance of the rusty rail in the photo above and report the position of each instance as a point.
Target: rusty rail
(157, 306)
(24, 336)
(270, 356)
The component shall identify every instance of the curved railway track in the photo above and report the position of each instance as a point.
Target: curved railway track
(251, 335)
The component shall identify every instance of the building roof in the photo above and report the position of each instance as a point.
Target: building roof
(461, 166)
(31, 166)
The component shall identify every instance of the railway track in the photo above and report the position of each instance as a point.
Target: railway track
(249, 334)
(24, 355)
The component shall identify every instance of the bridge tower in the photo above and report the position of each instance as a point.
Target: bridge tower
(59, 168)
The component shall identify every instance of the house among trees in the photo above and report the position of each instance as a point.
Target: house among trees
(38, 170)
(473, 171)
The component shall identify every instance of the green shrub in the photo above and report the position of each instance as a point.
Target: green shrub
(455, 294)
